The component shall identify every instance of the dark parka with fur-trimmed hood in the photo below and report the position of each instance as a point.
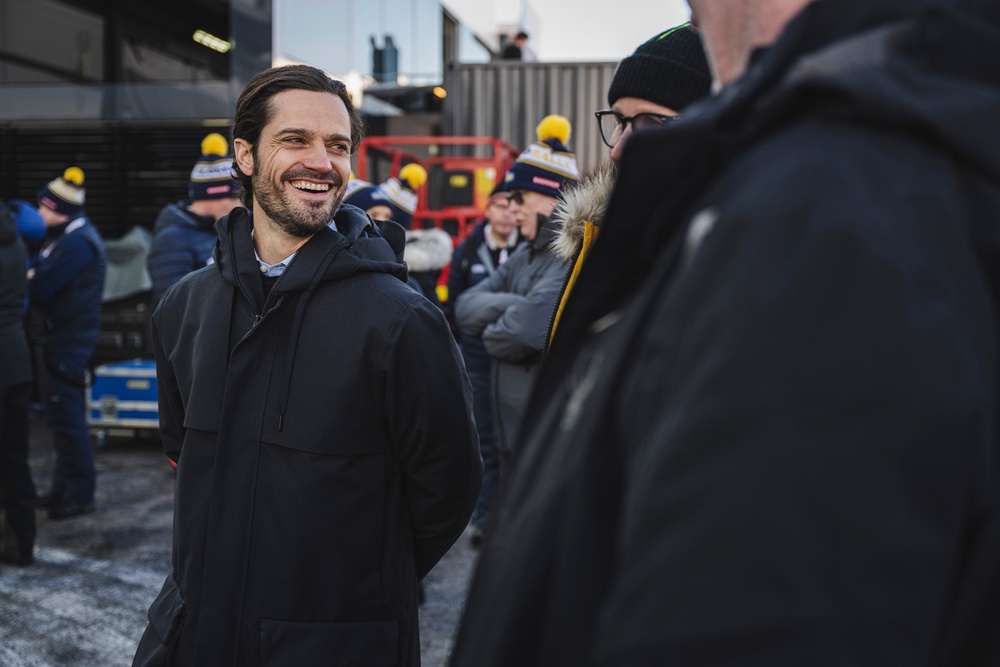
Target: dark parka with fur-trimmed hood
(327, 455)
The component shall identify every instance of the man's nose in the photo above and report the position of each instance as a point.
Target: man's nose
(317, 158)
(616, 152)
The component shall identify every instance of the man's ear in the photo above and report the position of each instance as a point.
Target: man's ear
(244, 156)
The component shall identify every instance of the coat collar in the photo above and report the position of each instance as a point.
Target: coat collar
(358, 246)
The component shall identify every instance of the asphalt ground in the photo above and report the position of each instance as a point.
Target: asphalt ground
(83, 602)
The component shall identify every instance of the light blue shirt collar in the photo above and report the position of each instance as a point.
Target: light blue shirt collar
(275, 270)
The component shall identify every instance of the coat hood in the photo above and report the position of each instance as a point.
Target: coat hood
(427, 249)
(357, 246)
(583, 203)
(893, 63)
(923, 68)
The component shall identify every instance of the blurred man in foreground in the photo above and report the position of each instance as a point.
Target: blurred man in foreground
(767, 431)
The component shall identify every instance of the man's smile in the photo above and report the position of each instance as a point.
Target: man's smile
(309, 186)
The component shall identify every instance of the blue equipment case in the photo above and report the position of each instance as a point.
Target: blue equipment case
(123, 395)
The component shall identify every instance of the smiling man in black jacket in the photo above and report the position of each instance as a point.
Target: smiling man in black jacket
(768, 431)
(317, 408)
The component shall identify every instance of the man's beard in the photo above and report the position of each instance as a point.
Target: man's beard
(274, 201)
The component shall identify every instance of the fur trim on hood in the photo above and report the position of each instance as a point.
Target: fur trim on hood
(427, 249)
(586, 202)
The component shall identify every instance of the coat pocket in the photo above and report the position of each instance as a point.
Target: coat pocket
(371, 644)
(165, 616)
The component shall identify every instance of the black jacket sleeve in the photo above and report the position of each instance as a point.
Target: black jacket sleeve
(171, 407)
(429, 407)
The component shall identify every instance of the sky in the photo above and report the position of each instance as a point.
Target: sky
(571, 30)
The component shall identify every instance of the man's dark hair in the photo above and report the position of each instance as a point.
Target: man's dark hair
(253, 109)
(521, 35)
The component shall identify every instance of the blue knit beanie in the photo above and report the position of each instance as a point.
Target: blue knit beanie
(65, 194)
(212, 176)
(365, 195)
(547, 165)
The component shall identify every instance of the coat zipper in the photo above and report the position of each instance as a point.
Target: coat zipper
(562, 294)
(257, 317)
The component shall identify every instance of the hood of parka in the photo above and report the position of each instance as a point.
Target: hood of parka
(585, 202)
(914, 65)
(926, 68)
(357, 246)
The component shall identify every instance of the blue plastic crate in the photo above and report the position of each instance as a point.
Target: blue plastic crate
(123, 395)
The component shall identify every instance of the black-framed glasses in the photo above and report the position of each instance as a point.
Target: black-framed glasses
(613, 124)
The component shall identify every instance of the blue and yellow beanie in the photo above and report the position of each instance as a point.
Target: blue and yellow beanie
(547, 165)
(212, 176)
(401, 192)
(364, 195)
(65, 194)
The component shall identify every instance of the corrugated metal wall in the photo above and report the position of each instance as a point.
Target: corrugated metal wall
(508, 99)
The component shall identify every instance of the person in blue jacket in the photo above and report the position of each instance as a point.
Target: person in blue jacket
(184, 233)
(65, 289)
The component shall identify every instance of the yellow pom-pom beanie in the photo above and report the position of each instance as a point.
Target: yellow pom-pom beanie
(212, 176)
(66, 193)
(547, 165)
(401, 192)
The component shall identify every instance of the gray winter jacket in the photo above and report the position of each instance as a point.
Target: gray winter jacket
(511, 312)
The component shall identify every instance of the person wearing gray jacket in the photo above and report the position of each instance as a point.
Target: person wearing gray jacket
(512, 309)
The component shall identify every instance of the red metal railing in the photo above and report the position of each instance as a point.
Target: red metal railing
(501, 156)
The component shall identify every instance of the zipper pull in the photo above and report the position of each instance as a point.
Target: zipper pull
(256, 319)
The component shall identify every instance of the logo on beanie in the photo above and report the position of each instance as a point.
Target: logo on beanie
(218, 170)
(546, 182)
(544, 157)
(212, 176)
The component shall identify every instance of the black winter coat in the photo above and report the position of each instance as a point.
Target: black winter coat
(768, 428)
(327, 455)
(15, 366)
